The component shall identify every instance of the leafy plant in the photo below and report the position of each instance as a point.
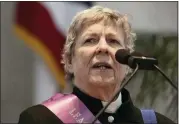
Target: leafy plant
(165, 49)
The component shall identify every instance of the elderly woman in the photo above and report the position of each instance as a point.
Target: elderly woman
(89, 61)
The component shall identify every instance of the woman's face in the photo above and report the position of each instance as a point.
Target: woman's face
(93, 62)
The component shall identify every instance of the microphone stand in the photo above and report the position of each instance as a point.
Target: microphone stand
(170, 82)
(116, 94)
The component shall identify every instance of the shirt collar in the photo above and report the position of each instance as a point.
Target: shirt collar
(124, 111)
(95, 105)
(113, 107)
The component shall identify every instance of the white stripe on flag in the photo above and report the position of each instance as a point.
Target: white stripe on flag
(63, 12)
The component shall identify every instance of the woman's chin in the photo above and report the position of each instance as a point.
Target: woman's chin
(102, 83)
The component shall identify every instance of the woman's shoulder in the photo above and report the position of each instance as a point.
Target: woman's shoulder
(42, 112)
(35, 109)
(163, 119)
(38, 114)
(44, 108)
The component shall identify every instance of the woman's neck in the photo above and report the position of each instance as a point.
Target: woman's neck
(102, 93)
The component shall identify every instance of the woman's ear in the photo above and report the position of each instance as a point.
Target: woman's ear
(70, 65)
(70, 68)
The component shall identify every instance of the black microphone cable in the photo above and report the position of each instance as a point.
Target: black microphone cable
(116, 94)
(170, 82)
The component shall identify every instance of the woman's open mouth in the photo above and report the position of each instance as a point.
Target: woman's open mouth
(102, 66)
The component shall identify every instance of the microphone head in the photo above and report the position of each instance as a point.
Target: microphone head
(122, 56)
(144, 62)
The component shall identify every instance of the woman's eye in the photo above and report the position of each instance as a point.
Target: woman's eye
(113, 41)
(90, 40)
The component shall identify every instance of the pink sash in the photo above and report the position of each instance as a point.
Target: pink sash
(69, 109)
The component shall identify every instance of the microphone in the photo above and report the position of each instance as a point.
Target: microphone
(144, 62)
(135, 61)
(116, 94)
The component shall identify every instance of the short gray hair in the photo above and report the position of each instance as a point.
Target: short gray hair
(91, 16)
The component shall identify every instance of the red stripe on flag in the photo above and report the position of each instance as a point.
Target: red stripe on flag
(34, 17)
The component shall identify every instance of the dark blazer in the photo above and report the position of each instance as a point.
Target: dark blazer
(126, 114)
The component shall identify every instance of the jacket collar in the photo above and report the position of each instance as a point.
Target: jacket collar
(127, 112)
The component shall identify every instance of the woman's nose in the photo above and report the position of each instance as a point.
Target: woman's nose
(102, 46)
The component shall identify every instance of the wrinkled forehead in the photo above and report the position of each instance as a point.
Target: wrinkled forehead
(107, 22)
(108, 27)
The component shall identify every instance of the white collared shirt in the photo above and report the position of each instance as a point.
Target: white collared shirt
(114, 105)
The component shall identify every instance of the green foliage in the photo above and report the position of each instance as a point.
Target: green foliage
(165, 49)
